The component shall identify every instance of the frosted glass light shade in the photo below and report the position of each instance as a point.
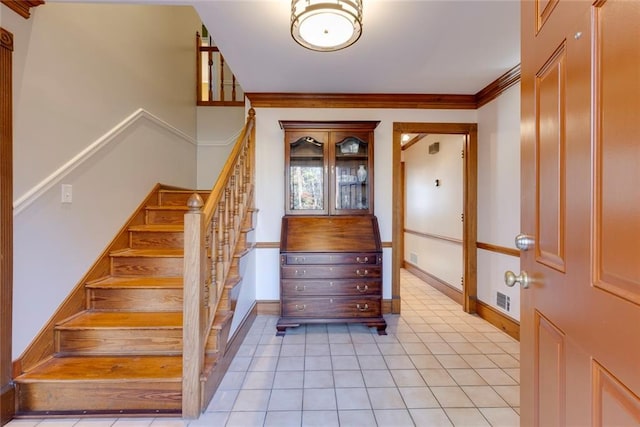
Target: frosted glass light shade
(326, 25)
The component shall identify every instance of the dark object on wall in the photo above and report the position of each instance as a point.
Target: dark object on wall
(434, 148)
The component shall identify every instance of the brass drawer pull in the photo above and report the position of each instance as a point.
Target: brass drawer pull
(364, 307)
(301, 272)
(301, 307)
(362, 260)
(361, 273)
(300, 260)
(301, 288)
(363, 289)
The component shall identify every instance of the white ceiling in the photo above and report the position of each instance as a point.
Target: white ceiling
(419, 47)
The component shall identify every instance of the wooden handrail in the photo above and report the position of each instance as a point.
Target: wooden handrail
(211, 232)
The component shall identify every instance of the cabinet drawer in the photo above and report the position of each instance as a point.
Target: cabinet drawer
(319, 307)
(330, 272)
(335, 258)
(298, 288)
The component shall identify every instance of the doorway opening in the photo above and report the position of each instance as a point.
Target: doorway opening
(469, 206)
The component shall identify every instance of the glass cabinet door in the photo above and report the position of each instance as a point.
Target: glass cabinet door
(328, 167)
(352, 174)
(307, 187)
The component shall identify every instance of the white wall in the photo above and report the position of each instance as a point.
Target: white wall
(499, 195)
(270, 176)
(79, 70)
(218, 130)
(435, 209)
(498, 184)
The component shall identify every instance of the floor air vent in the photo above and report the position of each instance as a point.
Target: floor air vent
(503, 301)
(413, 258)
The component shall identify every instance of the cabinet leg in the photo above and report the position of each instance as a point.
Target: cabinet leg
(382, 329)
(282, 326)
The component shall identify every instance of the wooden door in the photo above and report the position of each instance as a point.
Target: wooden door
(580, 320)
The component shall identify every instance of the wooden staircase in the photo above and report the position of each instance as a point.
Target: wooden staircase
(122, 354)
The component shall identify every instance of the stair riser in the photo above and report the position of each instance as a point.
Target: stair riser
(91, 395)
(165, 217)
(156, 240)
(219, 336)
(243, 240)
(229, 298)
(178, 198)
(136, 299)
(119, 341)
(141, 266)
(248, 221)
(213, 343)
(234, 269)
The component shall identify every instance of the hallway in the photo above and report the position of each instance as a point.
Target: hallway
(438, 366)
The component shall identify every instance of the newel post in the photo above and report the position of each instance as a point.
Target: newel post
(193, 308)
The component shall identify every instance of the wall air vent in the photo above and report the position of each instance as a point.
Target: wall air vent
(434, 148)
(503, 301)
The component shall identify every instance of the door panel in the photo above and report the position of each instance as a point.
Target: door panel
(543, 11)
(550, 164)
(580, 151)
(614, 404)
(550, 382)
(617, 157)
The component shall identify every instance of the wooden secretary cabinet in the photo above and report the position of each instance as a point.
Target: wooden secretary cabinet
(330, 249)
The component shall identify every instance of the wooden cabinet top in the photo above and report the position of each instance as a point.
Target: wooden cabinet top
(335, 125)
(357, 233)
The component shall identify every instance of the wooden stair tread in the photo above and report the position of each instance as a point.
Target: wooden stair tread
(123, 319)
(166, 208)
(148, 253)
(221, 319)
(111, 368)
(185, 191)
(248, 248)
(232, 281)
(172, 228)
(133, 282)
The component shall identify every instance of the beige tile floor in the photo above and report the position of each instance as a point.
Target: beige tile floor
(436, 367)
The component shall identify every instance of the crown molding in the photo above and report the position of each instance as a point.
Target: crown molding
(387, 100)
(361, 100)
(498, 86)
(22, 7)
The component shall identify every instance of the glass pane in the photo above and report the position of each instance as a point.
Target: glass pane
(306, 174)
(352, 181)
(306, 177)
(351, 186)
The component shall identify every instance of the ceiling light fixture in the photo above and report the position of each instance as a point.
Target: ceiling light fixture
(326, 25)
